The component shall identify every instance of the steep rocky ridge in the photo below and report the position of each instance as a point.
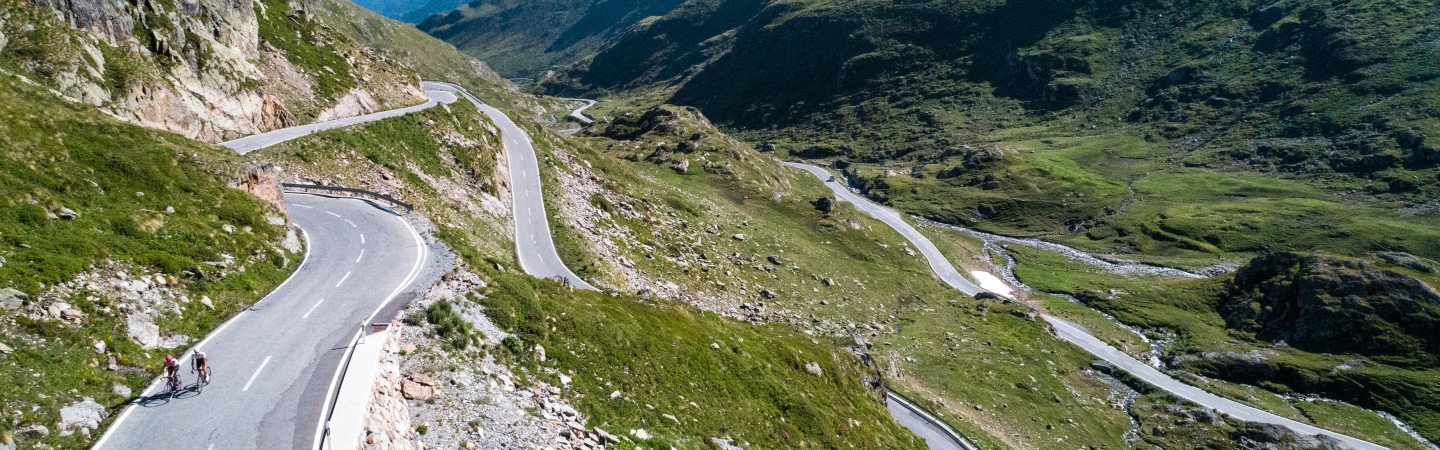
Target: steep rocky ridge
(208, 70)
(1324, 303)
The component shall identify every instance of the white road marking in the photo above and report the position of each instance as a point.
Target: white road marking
(155, 383)
(352, 224)
(342, 279)
(256, 374)
(302, 206)
(362, 255)
(312, 309)
(331, 213)
(362, 238)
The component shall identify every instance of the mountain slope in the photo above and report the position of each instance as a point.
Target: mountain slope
(526, 38)
(982, 112)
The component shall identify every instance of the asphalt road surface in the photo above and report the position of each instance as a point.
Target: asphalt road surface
(1067, 331)
(273, 362)
(254, 142)
(934, 435)
(579, 113)
(533, 242)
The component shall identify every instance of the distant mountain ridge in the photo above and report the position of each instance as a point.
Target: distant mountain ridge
(526, 38)
(410, 11)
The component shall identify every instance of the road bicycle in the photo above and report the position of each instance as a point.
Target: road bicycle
(203, 379)
(174, 383)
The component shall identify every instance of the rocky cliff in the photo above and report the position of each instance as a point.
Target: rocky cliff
(1330, 304)
(207, 69)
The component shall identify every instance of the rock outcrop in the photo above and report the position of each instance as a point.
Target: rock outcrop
(262, 180)
(1331, 304)
(200, 68)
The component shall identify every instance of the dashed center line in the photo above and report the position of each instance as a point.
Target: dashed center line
(362, 238)
(342, 279)
(302, 206)
(362, 255)
(312, 309)
(256, 374)
(352, 224)
(332, 213)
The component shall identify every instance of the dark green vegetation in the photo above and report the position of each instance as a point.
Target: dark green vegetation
(750, 383)
(524, 38)
(1259, 327)
(1240, 126)
(451, 328)
(1337, 305)
(119, 180)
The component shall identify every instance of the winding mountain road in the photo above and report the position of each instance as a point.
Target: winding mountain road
(579, 113)
(534, 244)
(273, 361)
(1068, 331)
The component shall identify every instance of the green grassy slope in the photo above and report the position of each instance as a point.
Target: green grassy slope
(120, 179)
(721, 378)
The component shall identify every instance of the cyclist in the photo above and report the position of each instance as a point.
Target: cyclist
(172, 369)
(199, 363)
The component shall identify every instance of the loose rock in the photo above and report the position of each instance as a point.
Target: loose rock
(143, 331)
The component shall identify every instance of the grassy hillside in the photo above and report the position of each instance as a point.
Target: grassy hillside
(526, 38)
(673, 226)
(759, 386)
(86, 194)
(1186, 130)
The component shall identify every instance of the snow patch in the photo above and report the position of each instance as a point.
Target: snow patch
(992, 283)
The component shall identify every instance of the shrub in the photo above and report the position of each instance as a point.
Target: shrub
(450, 328)
(514, 344)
